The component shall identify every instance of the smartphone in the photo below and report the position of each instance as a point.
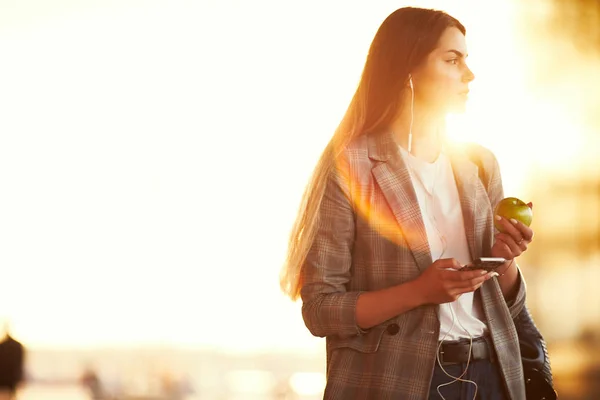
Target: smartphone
(486, 263)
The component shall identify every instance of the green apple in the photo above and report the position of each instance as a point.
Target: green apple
(511, 207)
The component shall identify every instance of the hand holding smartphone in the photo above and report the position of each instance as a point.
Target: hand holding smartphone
(485, 263)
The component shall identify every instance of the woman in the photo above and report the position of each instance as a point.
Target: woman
(392, 212)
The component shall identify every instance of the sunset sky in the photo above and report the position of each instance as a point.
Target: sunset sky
(153, 154)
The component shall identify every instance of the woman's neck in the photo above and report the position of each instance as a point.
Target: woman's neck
(427, 134)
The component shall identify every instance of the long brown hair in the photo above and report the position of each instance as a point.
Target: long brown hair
(401, 43)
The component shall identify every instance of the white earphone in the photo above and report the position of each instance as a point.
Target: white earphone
(412, 113)
(454, 317)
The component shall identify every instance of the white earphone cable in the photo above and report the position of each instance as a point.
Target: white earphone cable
(412, 113)
(456, 378)
(444, 245)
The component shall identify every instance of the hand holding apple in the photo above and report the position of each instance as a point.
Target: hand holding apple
(512, 219)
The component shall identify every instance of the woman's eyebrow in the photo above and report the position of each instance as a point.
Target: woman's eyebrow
(458, 53)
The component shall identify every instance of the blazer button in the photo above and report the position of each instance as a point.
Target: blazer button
(393, 329)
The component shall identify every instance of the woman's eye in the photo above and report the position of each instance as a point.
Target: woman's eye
(453, 61)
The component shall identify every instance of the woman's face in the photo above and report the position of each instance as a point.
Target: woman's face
(441, 82)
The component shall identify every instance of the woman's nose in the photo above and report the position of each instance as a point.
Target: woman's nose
(468, 75)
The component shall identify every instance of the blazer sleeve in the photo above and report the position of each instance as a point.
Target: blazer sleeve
(327, 307)
(496, 193)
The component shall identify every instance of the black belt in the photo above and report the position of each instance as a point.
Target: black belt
(453, 352)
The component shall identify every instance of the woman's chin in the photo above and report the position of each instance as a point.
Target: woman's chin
(460, 107)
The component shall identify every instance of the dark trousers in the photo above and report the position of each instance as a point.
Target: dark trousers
(486, 374)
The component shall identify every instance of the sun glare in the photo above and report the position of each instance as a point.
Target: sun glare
(154, 155)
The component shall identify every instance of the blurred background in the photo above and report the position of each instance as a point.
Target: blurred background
(152, 158)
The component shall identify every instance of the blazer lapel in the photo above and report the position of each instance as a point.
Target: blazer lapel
(466, 175)
(393, 178)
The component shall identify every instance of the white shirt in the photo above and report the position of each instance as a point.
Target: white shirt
(439, 202)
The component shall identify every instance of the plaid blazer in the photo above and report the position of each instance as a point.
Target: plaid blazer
(371, 236)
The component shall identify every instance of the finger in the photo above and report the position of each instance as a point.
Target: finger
(514, 228)
(476, 283)
(492, 274)
(513, 246)
(507, 226)
(474, 288)
(523, 245)
(511, 242)
(470, 285)
(461, 276)
(467, 282)
(527, 232)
